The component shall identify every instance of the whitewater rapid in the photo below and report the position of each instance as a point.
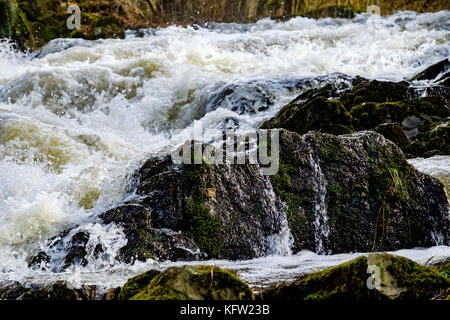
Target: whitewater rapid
(77, 119)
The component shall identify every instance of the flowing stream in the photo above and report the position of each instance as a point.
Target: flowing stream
(77, 118)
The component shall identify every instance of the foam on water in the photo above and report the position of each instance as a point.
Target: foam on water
(76, 119)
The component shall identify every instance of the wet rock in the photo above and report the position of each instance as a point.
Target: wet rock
(378, 277)
(422, 120)
(340, 193)
(249, 98)
(37, 22)
(145, 242)
(187, 283)
(34, 23)
(319, 114)
(393, 132)
(432, 72)
(11, 290)
(226, 209)
(375, 91)
(60, 291)
(6, 18)
(339, 11)
(386, 107)
(357, 193)
(432, 140)
(58, 45)
(136, 284)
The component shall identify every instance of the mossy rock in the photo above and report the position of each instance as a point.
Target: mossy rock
(319, 113)
(374, 199)
(427, 110)
(136, 284)
(393, 278)
(375, 91)
(436, 141)
(187, 283)
(393, 132)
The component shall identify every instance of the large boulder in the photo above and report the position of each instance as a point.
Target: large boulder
(357, 193)
(330, 194)
(187, 283)
(228, 210)
(338, 193)
(378, 277)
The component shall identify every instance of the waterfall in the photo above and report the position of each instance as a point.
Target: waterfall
(320, 208)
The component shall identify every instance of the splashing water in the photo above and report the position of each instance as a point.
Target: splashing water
(77, 119)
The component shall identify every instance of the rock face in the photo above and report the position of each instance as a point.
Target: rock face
(419, 126)
(187, 283)
(227, 210)
(339, 194)
(372, 198)
(377, 277)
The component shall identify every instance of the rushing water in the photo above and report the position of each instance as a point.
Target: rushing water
(78, 117)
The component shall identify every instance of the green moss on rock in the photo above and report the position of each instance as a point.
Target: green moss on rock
(375, 91)
(393, 278)
(188, 283)
(203, 225)
(136, 284)
(320, 114)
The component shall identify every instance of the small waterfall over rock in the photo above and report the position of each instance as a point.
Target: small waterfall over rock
(320, 208)
(280, 243)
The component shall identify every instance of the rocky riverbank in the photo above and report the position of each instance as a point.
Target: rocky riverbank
(34, 23)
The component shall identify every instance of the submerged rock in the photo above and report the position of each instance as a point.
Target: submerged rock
(187, 283)
(136, 284)
(377, 277)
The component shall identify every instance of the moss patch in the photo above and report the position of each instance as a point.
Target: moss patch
(193, 283)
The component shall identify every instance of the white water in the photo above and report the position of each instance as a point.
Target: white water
(74, 124)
